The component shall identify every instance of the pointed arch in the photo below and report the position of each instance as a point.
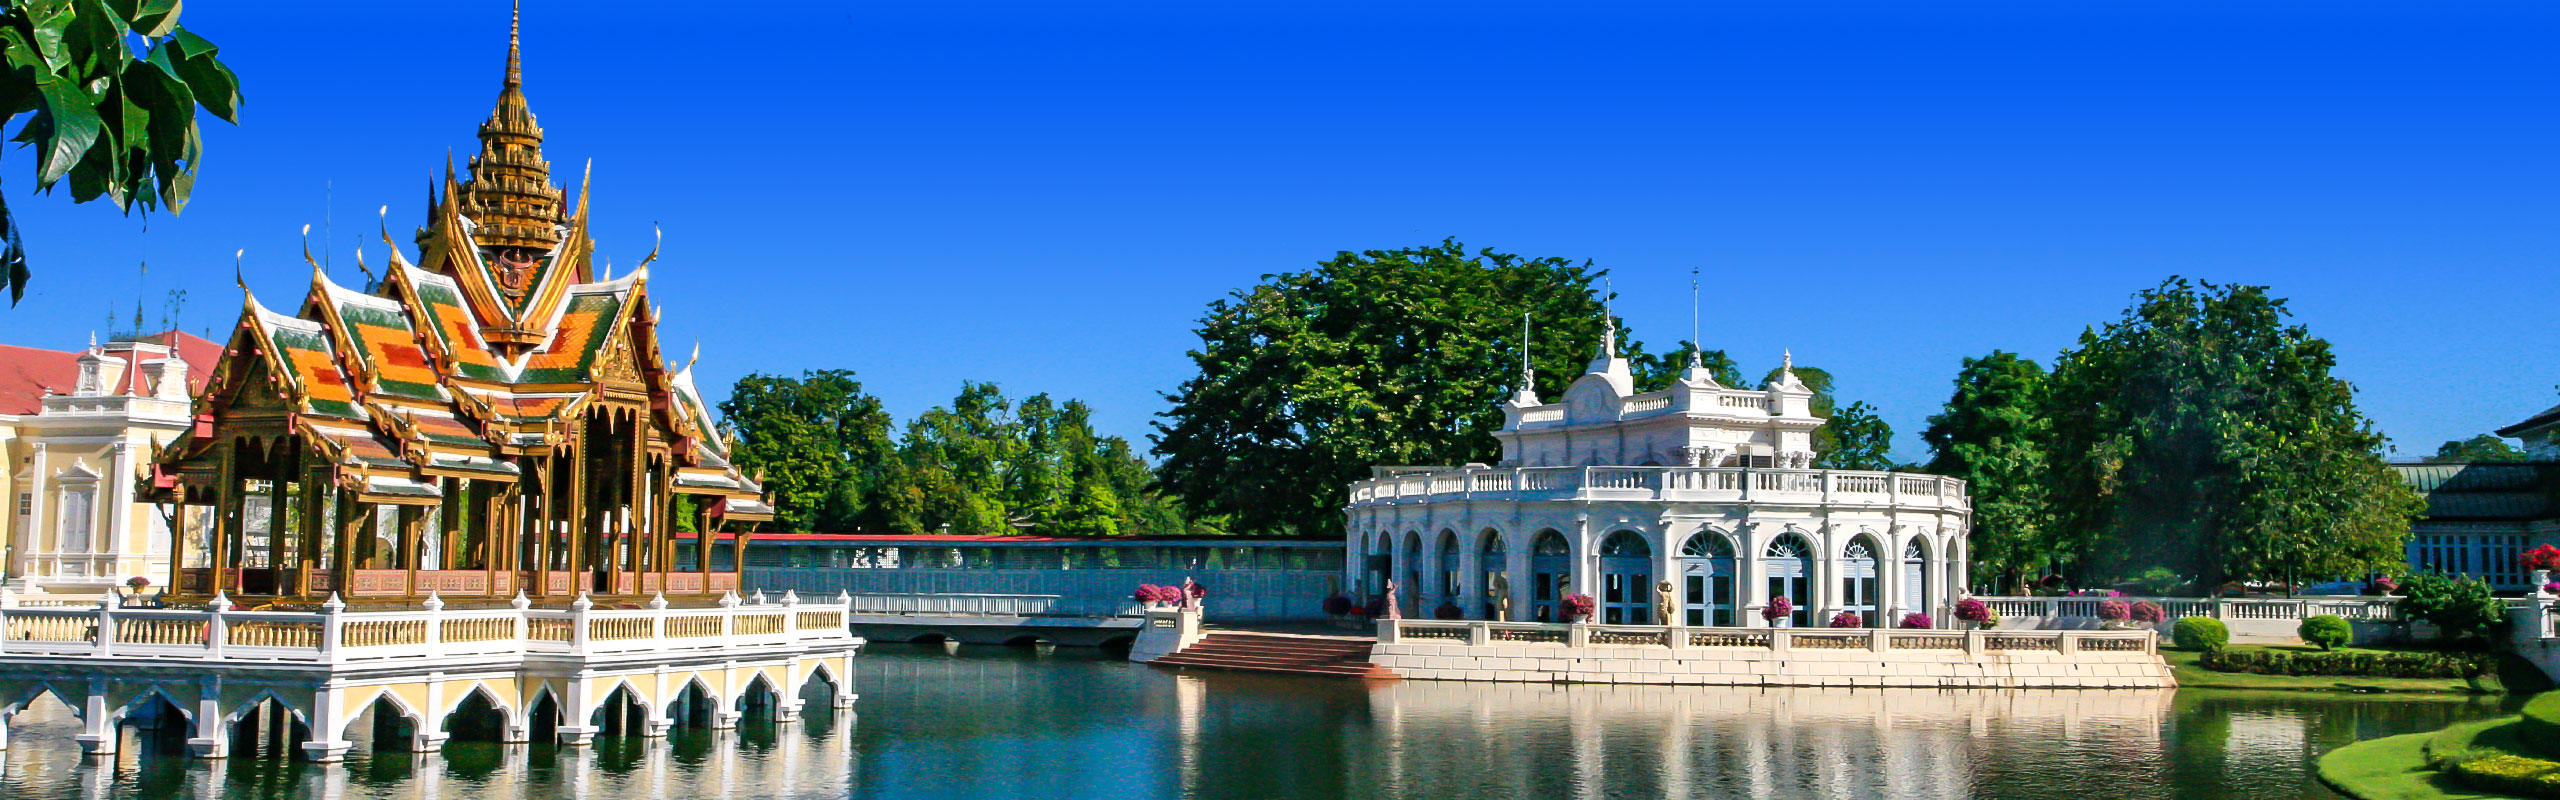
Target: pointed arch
(759, 696)
(38, 690)
(162, 692)
(694, 705)
(384, 696)
(479, 716)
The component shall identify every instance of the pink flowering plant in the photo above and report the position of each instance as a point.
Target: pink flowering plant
(1152, 594)
(1578, 607)
(137, 582)
(2544, 557)
(1918, 621)
(1972, 609)
(2147, 611)
(2113, 610)
(1779, 607)
(1848, 619)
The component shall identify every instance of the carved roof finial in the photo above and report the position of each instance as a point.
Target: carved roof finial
(515, 45)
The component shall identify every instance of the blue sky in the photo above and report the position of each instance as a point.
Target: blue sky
(1048, 194)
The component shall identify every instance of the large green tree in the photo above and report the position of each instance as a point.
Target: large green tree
(823, 446)
(1308, 379)
(1857, 438)
(957, 459)
(110, 89)
(2481, 449)
(2204, 434)
(1992, 434)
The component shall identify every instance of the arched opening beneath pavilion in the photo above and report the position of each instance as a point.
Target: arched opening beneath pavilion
(1626, 579)
(388, 727)
(542, 717)
(1788, 563)
(761, 702)
(1492, 563)
(1707, 576)
(160, 726)
(694, 708)
(621, 714)
(818, 694)
(1859, 581)
(1550, 575)
(478, 718)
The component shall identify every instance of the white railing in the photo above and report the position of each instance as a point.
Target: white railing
(334, 635)
(2379, 609)
(961, 604)
(1479, 633)
(1685, 484)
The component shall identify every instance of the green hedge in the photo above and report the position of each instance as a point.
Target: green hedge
(2200, 633)
(2506, 773)
(2363, 665)
(2541, 723)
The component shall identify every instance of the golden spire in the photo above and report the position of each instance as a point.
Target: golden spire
(510, 193)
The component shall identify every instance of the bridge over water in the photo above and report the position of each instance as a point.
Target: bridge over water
(1011, 619)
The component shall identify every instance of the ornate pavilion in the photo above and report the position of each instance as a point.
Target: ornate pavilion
(492, 418)
(446, 504)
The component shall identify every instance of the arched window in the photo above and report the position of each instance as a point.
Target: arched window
(1915, 575)
(1409, 591)
(1492, 560)
(1707, 575)
(1858, 581)
(1626, 579)
(1550, 575)
(1451, 585)
(1788, 563)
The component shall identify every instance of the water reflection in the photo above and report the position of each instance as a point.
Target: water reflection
(987, 722)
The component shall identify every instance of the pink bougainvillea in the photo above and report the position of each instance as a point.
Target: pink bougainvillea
(2544, 557)
(2114, 610)
(1578, 607)
(1918, 620)
(1779, 607)
(1972, 609)
(1848, 619)
(2147, 611)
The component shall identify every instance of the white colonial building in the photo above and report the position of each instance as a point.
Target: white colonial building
(76, 429)
(1613, 491)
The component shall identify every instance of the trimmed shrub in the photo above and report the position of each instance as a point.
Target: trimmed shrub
(2326, 631)
(1918, 620)
(2506, 773)
(1337, 605)
(2461, 608)
(1448, 610)
(1848, 619)
(2147, 611)
(2359, 665)
(2200, 633)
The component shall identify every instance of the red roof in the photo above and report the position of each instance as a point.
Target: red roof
(27, 372)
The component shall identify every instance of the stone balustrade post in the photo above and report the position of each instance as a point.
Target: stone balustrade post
(332, 628)
(435, 620)
(578, 622)
(2070, 645)
(523, 621)
(1578, 635)
(105, 643)
(658, 616)
(1876, 641)
(1479, 634)
(1782, 640)
(1680, 639)
(1973, 642)
(1386, 630)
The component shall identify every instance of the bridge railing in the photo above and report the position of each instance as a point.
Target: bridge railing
(970, 604)
(337, 635)
(1880, 640)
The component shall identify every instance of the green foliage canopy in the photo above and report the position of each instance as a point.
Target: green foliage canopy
(1993, 434)
(2481, 449)
(119, 125)
(2203, 433)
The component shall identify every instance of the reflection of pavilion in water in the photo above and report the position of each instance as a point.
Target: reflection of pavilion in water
(806, 759)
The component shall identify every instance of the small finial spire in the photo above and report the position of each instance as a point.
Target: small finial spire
(515, 52)
(1788, 360)
(1693, 316)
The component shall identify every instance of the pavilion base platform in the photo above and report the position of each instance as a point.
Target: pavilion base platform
(1812, 657)
(300, 681)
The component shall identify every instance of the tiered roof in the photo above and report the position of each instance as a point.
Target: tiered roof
(471, 359)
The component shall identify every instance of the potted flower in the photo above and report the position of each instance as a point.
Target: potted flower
(1918, 621)
(2149, 612)
(1577, 607)
(1973, 610)
(1848, 619)
(2112, 613)
(2386, 585)
(1777, 609)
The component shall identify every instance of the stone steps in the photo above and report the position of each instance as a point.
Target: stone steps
(1274, 653)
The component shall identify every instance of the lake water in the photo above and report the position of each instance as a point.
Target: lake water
(989, 722)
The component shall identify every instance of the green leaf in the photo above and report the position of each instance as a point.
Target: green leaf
(13, 254)
(212, 83)
(154, 18)
(74, 127)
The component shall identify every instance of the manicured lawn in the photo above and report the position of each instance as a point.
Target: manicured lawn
(2191, 676)
(2391, 768)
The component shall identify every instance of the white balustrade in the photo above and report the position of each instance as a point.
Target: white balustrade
(374, 636)
(1685, 484)
(1478, 632)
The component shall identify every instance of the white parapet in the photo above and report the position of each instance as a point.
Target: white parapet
(1848, 657)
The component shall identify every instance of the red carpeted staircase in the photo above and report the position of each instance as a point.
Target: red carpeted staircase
(1325, 656)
